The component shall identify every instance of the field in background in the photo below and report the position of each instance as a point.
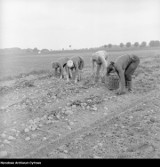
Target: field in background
(14, 65)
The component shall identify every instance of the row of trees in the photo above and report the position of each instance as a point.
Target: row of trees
(16, 50)
(152, 43)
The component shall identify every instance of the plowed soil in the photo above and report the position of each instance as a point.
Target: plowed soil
(42, 116)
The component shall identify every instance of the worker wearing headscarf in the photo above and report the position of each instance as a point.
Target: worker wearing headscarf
(75, 63)
(100, 59)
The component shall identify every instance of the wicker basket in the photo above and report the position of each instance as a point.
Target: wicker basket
(112, 81)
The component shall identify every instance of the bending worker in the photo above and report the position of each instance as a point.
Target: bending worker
(125, 66)
(100, 59)
(60, 65)
(75, 63)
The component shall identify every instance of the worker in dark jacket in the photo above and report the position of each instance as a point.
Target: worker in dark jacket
(100, 59)
(124, 66)
(75, 63)
(60, 65)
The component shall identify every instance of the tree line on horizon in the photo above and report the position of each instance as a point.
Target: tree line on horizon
(152, 43)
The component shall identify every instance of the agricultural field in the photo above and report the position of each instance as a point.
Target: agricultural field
(42, 116)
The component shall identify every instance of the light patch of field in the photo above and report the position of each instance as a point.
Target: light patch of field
(14, 65)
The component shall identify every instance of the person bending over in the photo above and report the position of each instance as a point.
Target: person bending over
(75, 63)
(99, 59)
(125, 66)
(59, 66)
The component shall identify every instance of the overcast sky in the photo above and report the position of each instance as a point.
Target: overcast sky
(56, 24)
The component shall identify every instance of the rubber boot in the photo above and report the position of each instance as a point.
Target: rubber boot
(126, 84)
(129, 86)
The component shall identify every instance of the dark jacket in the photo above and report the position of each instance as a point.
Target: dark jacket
(121, 65)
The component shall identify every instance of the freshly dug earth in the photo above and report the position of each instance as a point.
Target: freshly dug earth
(42, 116)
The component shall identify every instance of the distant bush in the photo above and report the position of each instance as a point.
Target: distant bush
(154, 43)
(136, 44)
(128, 44)
(121, 45)
(109, 45)
(143, 44)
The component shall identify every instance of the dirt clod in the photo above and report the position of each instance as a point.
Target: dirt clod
(27, 138)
